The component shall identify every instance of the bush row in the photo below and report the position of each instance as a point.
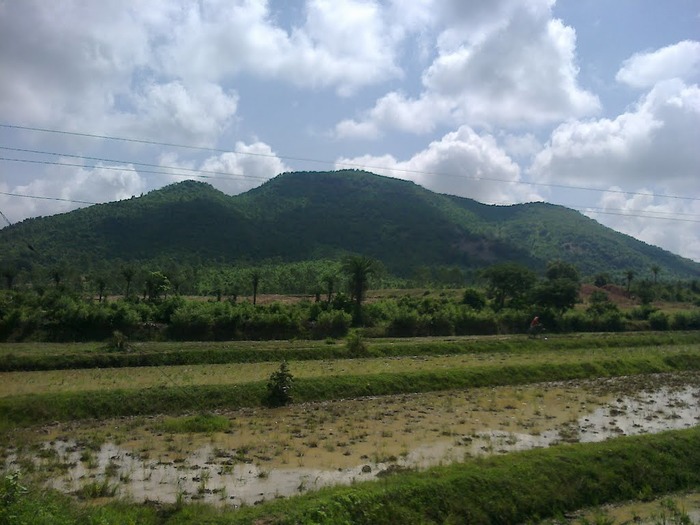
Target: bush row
(61, 317)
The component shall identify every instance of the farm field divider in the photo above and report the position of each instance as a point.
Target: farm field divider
(34, 409)
(51, 356)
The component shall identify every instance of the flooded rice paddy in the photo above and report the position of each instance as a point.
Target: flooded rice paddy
(271, 453)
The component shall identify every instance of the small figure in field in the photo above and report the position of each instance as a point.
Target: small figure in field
(536, 327)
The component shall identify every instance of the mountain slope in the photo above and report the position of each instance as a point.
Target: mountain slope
(311, 215)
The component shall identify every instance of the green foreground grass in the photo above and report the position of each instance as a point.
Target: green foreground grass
(516, 488)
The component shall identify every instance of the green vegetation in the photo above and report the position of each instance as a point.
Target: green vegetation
(279, 387)
(174, 324)
(362, 379)
(199, 423)
(58, 356)
(513, 297)
(310, 216)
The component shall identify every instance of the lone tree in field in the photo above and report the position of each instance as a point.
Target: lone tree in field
(359, 269)
(561, 289)
(101, 283)
(508, 281)
(279, 387)
(156, 285)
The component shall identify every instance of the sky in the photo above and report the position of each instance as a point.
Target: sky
(591, 104)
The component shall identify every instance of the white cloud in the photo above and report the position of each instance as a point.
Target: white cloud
(643, 70)
(63, 185)
(655, 143)
(194, 115)
(460, 163)
(395, 111)
(87, 67)
(652, 147)
(669, 223)
(163, 70)
(509, 70)
(524, 146)
(249, 166)
(345, 44)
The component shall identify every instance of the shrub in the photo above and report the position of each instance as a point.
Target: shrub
(513, 321)
(118, 343)
(659, 321)
(687, 320)
(356, 344)
(334, 323)
(404, 324)
(468, 322)
(279, 387)
(474, 299)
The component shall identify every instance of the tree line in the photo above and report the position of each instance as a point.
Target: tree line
(507, 297)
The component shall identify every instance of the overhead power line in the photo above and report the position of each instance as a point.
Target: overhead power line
(220, 174)
(41, 197)
(157, 143)
(332, 163)
(112, 168)
(606, 211)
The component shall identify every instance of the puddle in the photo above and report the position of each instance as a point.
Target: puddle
(282, 452)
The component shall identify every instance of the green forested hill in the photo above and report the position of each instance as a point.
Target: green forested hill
(314, 215)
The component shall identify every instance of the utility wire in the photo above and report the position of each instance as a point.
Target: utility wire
(113, 168)
(222, 175)
(45, 198)
(5, 217)
(613, 211)
(349, 165)
(156, 143)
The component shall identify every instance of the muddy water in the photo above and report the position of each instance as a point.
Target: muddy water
(282, 452)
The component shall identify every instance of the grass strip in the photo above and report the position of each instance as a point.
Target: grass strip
(38, 356)
(516, 488)
(40, 408)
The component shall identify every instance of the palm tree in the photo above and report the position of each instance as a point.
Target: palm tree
(359, 268)
(101, 283)
(329, 281)
(655, 269)
(629, 275)
(128, 273)
(255, 276)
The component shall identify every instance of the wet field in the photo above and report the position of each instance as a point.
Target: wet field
(270, 453)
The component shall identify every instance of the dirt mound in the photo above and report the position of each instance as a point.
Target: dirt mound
(616, 294)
